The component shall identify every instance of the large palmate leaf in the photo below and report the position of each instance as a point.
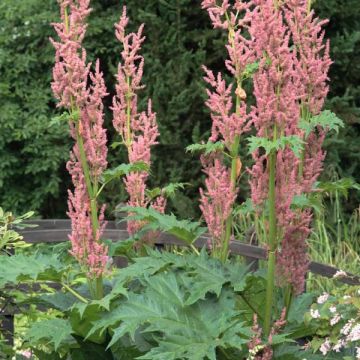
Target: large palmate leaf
(59, 300)
(293, 352)
(16, 268)
(55, 332)
(184, 230)
(206, 275)
(82, 317)
(200, 274)
(190, 296)
(192, 332)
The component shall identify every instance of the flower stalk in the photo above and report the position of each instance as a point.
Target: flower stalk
(272, 244)
(83, 100)
(138, 130)
(228, 124)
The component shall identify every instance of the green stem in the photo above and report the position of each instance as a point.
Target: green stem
(272, 243)
(229, 221)
(305, 116)
(99, 292)
(196, 251)
(288, 298)
(309, 6)
(301, 165)
(76, 294)
(224, 251)
(97, 288)
(128, 113)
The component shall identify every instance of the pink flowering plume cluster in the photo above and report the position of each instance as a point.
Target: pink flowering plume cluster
(285, 41)
(138, 130)
(80, 91)
(290, 86)
(217, 201)
(229, 121)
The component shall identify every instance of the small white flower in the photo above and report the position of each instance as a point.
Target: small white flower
(358, 353)
(346, 297)
(339, 345)
(340, 274)
(314, 313)
(26, 354)
(332, 309)
(354, 333)
(335, 319)
(347, 327)
(325, 347)
(27, 22)
(321, 299)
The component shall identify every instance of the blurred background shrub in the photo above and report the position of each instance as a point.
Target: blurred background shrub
(179, 40)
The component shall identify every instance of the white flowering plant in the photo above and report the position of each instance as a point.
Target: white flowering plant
(336, 318)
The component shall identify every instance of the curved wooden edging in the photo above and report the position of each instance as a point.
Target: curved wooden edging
(54, 231)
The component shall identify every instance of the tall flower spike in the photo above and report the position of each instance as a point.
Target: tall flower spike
(290, 86)
(138, 131)
(277, 113)
(226, 124)
(229, 120)
(312, 64)
(88, 158)
(217, 201)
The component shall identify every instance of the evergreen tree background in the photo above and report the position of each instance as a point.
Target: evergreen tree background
(179, 40)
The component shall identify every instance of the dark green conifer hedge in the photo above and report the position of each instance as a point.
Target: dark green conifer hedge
(179, 40)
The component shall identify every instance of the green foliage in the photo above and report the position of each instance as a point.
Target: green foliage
(163, 306)
(17, 268)
(184, 230)
(54, 331)
(186, 296)
(340, 187)
(250, 70)
(304, 201)
(343, 152)
(31, 152)
(169, 191)
(326, 119)
(178, 37)
(179, 40)
(207, 148)
(293, 142)
(122, 170)
(65, 116)
(193, 307)
(9, 238)
(81, 319)
(334, 312)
